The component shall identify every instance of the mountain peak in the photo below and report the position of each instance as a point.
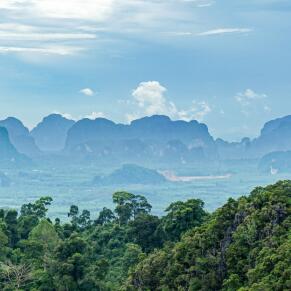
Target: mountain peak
(14, 126)
(51, 133)
(55, 117)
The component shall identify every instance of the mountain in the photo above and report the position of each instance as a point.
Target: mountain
(233, 150)
(51, 133)
(8, 153)
(20, 136)
(275, 136)
(276, 162)
(244, 245)
(131, 174)
(154, 138)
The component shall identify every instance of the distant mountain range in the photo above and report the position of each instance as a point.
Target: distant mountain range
(51, 133)
(156, 139)
(20, 137)
(275, 136)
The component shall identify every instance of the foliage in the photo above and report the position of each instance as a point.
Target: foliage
(245, 245)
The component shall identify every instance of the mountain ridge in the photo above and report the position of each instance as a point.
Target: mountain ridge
(156, 137)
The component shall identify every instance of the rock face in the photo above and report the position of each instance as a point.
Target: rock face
(233, 150)
(147, 141)
(275, 136)
(131, 174)
(8, 153)
(20, 137)
(51, 133)
(276, 162)
(150, 138)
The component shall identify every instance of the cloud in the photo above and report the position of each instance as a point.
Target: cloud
(49, 50)
(199, 110)
(67, 9)
(87, 92)
(29, 39)
(95, 115)
(74, 22)
(220, 31)
(209, 4)
(92, 115)
(90, 24)
(65, 115)
(40, 36)
(251, 102)
(248, 96)
(150, 99)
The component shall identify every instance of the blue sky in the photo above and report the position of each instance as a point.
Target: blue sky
(225, 63)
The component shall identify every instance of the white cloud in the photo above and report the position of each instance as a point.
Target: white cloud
(16, 27)
(49, 50)
(252, 102)
(203, 5)
(41, 36)
(85, 9)
(87, 92)
(65, 115)
(95, 10)
(75, 22)
(199, 110)
(248, 96)
(150, 99)
(219, 31)
(30, 40)
(95, 115)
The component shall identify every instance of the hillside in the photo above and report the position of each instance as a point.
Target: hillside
(276, 162)
(130, 174)
(244, 245)
(51, 133)
(8, 153)
(152, 139)
(275, 136)
(20, 137)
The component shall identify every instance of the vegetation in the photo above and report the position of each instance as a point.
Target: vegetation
(244, 245)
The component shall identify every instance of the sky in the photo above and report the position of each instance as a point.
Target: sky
(225, 63)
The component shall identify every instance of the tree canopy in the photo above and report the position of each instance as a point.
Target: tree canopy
(244, 245)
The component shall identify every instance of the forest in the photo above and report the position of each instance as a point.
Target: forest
(244, 245)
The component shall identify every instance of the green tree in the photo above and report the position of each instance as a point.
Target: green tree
(182, 216)
(38, 208)
(143, 231)
(11, 223)
(129, 206)
(105, 216)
